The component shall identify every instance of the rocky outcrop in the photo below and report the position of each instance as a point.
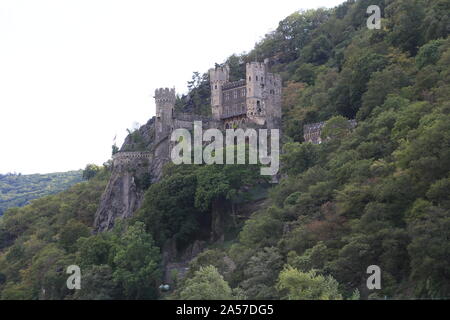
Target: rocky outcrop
(138, 164)
(121, 199)
(142, 139)
(176, 262)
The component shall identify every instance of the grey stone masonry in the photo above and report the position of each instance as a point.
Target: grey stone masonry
(312, 132)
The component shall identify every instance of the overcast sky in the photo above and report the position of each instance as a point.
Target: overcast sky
(73, 74)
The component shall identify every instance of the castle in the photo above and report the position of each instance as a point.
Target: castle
(255, 99)
(251, 102)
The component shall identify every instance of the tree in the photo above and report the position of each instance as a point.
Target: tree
(296, 285)
(168, 209)
(71, 232)
(136, 262)
(429, 53)
(429, 228)
(261, 274)
(90, 171)
(335, 128)
(115, 149)
(97, 284)
(299, 157)
(404, 22)
(206, 284)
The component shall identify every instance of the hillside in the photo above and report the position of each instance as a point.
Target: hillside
(377, 194)
(16, 190)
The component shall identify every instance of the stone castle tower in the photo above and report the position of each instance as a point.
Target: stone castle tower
(165, 103)
(257, 98)
(218, 77)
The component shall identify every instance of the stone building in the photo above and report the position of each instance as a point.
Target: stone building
(312, 132)
(254, 101)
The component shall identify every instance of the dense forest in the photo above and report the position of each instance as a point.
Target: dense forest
(16, 190)
(377, 194)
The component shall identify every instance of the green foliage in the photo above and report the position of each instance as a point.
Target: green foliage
(261, 274)
(135, 263)
(40, 240)
(299, 157)
(296, 285)
(98, 284)
(168, 209)
(336, 128)
(429, 53)
(90, 171)
(71, 232)
(206, 284)
(376, 194)
(197, 100)
(17, 190)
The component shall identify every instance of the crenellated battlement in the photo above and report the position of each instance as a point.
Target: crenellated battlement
(234, 84)
(165, 95)
(124, 158)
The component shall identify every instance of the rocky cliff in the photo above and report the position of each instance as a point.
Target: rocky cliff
(134, 168)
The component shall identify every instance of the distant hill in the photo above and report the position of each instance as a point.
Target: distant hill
(17, 190)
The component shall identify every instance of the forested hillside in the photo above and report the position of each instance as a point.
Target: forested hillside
(16, 190)
(374, 195)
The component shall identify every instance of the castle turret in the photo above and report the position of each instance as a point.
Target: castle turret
(256, 91)
(218, 77)
(165, 103)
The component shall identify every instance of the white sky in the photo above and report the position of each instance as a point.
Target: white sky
(75, 73)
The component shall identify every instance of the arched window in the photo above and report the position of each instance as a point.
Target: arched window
(250, 78)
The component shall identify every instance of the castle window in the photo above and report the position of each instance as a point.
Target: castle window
(249, 78)
(258, 103)
(256, 78)
(262, 78)
(235, 94)
(215, 87)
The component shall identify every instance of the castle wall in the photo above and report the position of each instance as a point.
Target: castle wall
(234, 100)
(312, 132)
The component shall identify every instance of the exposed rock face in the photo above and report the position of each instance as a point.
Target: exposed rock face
(176, 261)
(121, 198)
(135, 167)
